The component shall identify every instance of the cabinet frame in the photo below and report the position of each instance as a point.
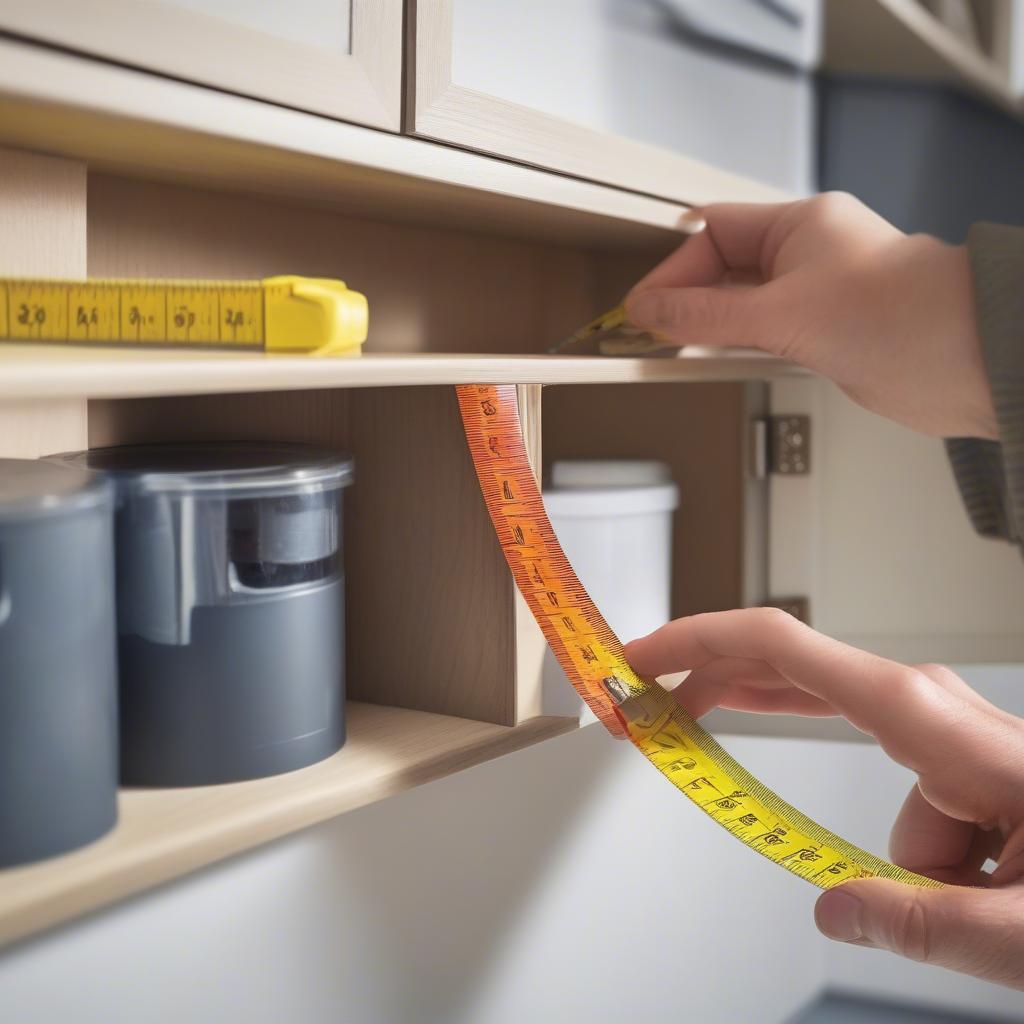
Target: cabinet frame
(438, 108)
(364, 85)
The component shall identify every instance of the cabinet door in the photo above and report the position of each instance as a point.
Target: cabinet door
(676, 98)
(877, 538)
(337, 57)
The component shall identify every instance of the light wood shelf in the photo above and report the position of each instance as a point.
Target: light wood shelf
(56, 371)
(165, 833)
(901, 39)
(131, 122)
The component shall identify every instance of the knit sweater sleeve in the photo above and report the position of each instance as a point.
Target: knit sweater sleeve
(990, 474)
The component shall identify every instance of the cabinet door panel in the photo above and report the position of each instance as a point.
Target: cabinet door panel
(631, 93)
(342, 58)
(877, 538)
(319, 23)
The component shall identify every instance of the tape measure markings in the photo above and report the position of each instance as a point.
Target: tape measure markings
(211, 313)
(279, 313)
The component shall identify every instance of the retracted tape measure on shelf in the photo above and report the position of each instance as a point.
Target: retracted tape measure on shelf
(640, 710)
(278, 314)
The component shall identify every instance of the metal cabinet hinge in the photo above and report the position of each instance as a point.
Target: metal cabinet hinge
(780, 444)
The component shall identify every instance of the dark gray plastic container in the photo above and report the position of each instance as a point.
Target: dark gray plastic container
(58, 662)
(230, 608)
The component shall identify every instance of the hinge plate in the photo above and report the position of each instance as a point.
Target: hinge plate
(781, 444)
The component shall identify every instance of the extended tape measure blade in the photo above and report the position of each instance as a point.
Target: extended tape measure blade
(594, 662)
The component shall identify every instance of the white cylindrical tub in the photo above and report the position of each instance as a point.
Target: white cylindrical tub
(614, 522)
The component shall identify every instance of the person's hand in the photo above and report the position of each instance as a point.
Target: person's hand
(967, 806)
(828, 284)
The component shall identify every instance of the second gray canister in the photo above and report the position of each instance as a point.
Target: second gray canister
(230, 608)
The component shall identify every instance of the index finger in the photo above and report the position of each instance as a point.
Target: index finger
(732, 239)
(918, 722)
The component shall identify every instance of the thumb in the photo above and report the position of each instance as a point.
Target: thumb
(976, 931)
(697, 316)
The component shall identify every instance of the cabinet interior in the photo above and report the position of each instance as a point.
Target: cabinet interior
(430, 289)
(431, 617)
(699, 431)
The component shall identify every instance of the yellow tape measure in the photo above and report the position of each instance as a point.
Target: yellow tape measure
(277, 314)
(611, 334)
(629, 706)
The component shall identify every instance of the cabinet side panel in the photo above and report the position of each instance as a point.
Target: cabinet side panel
(432, 616)
(42, 216)
(42, 228)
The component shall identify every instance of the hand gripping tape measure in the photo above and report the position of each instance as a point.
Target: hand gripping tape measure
(277, 314)
(638, 709)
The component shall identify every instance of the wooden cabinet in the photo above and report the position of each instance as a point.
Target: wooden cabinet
(474, 267)
(342, 59)
(641, 95)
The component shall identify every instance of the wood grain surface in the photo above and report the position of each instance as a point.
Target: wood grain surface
(42, 232)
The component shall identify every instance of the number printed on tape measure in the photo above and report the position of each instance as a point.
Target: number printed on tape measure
(241, 316)
(192, 315)
(142, 314)
(92, 312)
(36, 312)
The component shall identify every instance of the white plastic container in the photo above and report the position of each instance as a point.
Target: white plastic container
(614, 522)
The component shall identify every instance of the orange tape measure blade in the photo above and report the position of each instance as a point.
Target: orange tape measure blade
(586, 648)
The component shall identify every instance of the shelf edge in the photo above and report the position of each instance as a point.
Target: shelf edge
(40, 372)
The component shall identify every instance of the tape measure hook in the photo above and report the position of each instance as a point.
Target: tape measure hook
(616, 688)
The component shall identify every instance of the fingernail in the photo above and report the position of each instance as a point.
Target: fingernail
(838, 916)
(691, 222)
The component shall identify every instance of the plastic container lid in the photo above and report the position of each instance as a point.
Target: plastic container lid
(609, 488)
(30, 488)
(610, 502)
(239, 469)
(609, 473)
